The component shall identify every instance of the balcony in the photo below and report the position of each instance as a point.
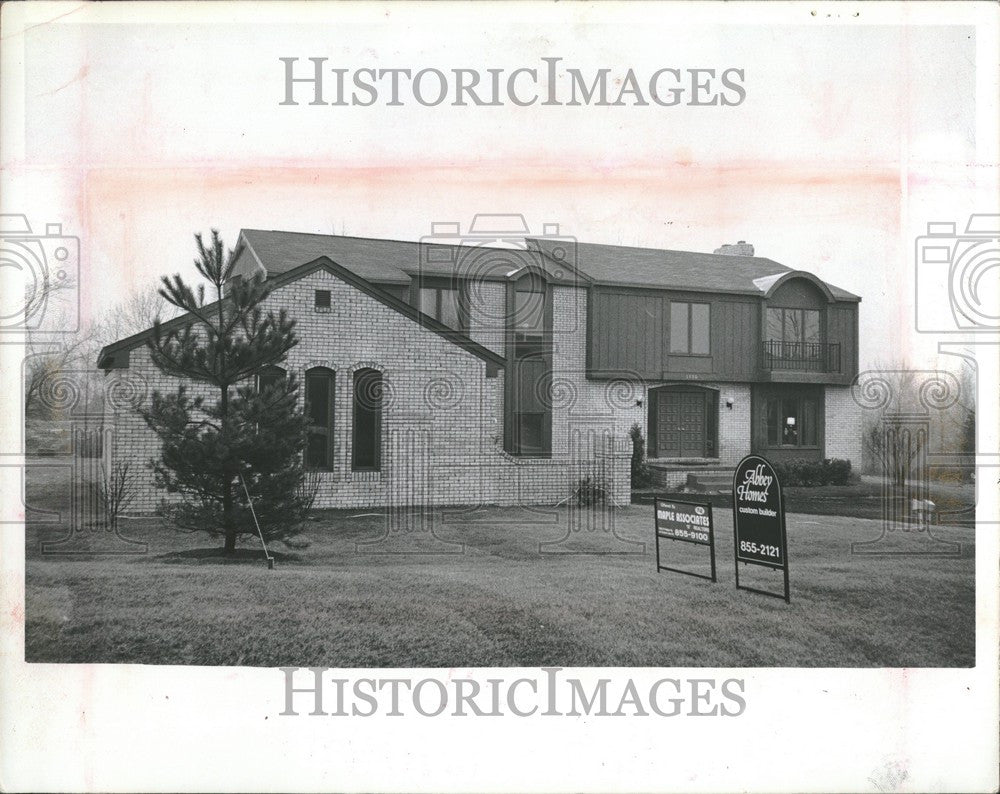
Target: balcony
(801, 356)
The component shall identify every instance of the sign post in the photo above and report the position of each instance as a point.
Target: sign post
(689, 522)
(759, 536)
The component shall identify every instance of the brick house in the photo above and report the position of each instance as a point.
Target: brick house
(505, 375)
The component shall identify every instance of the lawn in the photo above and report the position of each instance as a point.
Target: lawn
(502, 587)
(955, 502)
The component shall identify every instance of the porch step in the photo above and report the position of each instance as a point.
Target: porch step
(710, 481)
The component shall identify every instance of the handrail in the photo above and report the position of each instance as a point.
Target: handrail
(807, 356)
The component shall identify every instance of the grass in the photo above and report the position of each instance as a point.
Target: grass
(480, 592)
(955, 502)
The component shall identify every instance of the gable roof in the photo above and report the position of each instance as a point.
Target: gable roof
(107, 358)
(392, 261)
(397, 262)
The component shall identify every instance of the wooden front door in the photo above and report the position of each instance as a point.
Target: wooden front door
(682, 424)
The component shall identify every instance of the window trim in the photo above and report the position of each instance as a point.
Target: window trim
(355, 376)
(800, 401)
(325, 295)
(690, 328)
(821, 336)
(331, 377)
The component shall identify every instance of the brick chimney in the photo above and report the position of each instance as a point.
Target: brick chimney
(742, 248)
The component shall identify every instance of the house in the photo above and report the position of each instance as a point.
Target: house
(459, 372)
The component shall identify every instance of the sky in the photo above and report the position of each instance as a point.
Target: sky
(142, 126)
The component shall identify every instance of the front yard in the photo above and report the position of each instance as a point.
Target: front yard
(503, 587)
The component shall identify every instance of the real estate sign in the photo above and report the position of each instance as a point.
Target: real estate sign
(690, 522)
(759, 520)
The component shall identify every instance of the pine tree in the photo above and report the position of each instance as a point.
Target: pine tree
(253, 430)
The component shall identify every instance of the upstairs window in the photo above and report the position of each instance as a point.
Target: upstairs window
(690, 325)
(528, 311)
(793, 326)
(441, 303)
(319, 412)
(366, 436)
(321, 300)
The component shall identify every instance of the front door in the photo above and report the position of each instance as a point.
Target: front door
(681, 423)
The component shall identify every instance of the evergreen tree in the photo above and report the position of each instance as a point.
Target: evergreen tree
(244, 428)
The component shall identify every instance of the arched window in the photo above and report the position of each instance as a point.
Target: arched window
(319, 412)
(366, 438)
(528, 316)
(269, 376)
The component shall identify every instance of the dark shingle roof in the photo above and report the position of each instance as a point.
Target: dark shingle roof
(650, 267)
(385, 261)
(108, 359)
(393, 262)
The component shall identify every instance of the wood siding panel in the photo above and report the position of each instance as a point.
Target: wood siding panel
(842, 328)
(628, 333)
(735, 335)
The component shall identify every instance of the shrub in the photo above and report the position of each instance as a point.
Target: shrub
(641, 476)
(812, 473)
(116, 489)
(591, 491)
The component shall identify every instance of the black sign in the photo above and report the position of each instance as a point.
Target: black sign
(759, 520)
(690, 522)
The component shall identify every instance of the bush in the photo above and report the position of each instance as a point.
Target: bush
(591, 492)
(811, 473)
(641, 476)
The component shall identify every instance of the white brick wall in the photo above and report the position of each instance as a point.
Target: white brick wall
(843, 426)
(487, 301)
(442, 417)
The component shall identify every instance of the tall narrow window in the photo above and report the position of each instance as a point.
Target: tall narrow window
(699, 329)
(532, 412)
(367, 432)
(529, 308)
(690, 329)
(319, 412)
(528, 418)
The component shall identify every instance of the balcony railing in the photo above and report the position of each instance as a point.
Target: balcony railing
(802, 356)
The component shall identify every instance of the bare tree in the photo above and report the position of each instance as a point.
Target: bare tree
(946, 398)
(117, 489)
(50, 361)
(68, 359)
(137, 312)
